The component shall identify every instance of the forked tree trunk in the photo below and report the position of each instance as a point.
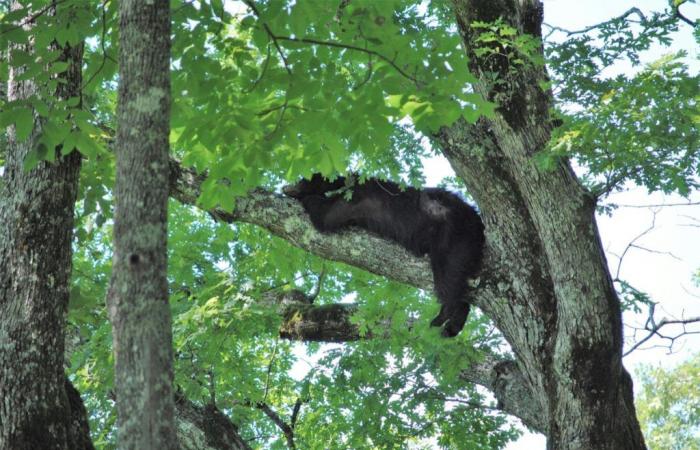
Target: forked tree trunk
(138, 295)
(562, 316)
(39, 409)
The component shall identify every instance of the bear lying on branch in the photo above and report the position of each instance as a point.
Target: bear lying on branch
(429, 221)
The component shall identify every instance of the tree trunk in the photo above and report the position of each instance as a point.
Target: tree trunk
(39, 408)
(138, 295)
(564, 321)
(205, 427)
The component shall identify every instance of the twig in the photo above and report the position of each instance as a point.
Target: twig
(658, 252)
(350, 47)
(295, 413)
(269, 32)
(679, 14)
(264, 70)
(269, 371)
(286, 429)
(275, 38)
(369, 74)
(105, 56)
(631, 244)
(33, 17)
(653, 329)
(624, 15)
(660, 205)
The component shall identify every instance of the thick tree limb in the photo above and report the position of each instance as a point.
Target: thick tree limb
(506, 382)
(205, 427)
(285, 217)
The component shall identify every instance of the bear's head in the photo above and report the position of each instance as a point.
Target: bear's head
(317, 185)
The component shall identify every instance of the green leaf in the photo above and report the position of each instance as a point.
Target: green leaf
(70, 143)
(20, 58)
(58, 67)
(24, 123)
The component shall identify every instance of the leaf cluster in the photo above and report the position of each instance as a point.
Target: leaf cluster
(641, 127)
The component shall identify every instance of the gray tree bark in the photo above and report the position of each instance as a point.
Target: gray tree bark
(137, 301)
(563, 319)
(205, 427)
(40, 409)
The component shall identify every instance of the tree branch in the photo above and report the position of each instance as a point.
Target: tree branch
(286, 218)
(350, 47)
(205, 427)
(679, 14)
(281, 424)
(272, 36)
(275, 38)
(622, 16)
(331, 323)
(653, 329)
(502, 377)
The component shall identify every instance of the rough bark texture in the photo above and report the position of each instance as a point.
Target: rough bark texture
(138, 295)
(79, 427)
(36, 224)
(205, 428)
(571, 350)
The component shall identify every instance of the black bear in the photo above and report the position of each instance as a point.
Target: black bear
(430, 221)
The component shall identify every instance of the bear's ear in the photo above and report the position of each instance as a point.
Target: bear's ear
(292, 190)
(433, 207)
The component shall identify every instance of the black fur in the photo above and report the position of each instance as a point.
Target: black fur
(431, 221)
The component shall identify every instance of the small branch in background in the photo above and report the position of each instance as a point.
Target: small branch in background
(272, 36)
(295, 413)
(269, 371)
(658, 252)
(368, 76)
(286, 429)
(660, 205)
(389, 61)
(624, 15)
(632, 243)
(312, 296)
(105, 56)
(276, 41)
(212, 386)
(677, 12)
(32, 17)
(695, 222)
(263, 71)
(652, 328)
